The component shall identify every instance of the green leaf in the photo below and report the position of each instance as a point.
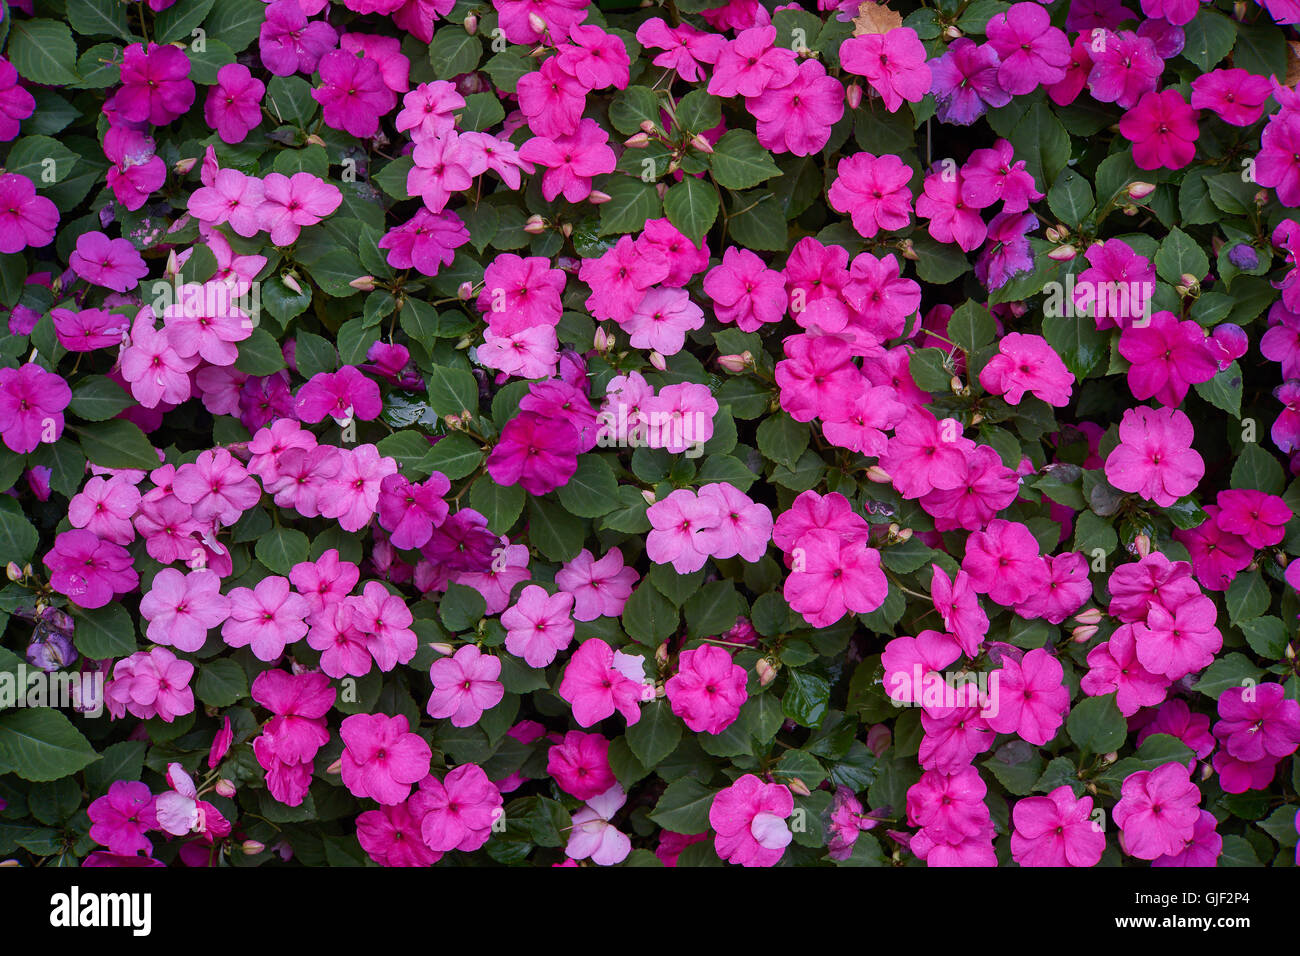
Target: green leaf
(91, 18)
(455, 456)
(684, 807)
(1247, 597)
(1257, 469)
(281, 548)
(97, 398)
(739, 162)
(648, 616)
(482, 110)
(1224, 390)
(656, 734)
(697, 112)
(314, 354)
(1077, 341)
(18, 537)
(713, 609)
(120, 761)
(500, 504)
(104, 632)
(178, 21)
(1041, 140)
(1232, 670)
(461, 608)
(806, 698)
(220, 682)
(971, 327)
(452, 391)
(235, 22)
(591, 492)
(1096, 725)
(43, 51)
(632, 107)
(506, 69)
(1070, 198)
(782, 439)
(260, 354)
(1180, 254)
(37, 156)
(1267, 637)
(557, 534)
(1208, 39)
(41, 744)
(117, 444)
(691, 206)
(454, 52)
(757, 221)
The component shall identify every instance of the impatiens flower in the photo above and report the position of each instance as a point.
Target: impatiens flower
(893, 63)
(751, 64)
(16, 104)
(32, 401)
(1157, 811)
(571, 160)
(1201, 850)
(288, 43)
(149, 684)
(234, 104)
(181, 608)
(391, 835)
(594, 836)
(266, 618)
(959, 608)
(1031, 699)
(384, 621)
(355, 489)
(552, 100)
(1217, 555)
(595, 687)
(1113, 666)
(687, 47)
(797, 117)
(580, 765)
(88, 571)
(135, 171)
(216, 486)
(111, 263)
(745, 291)
(291, 202)
(156, 87)
(1026, 363)
(120, 819)
(381, 757)
(540, 454)
(1065, 590)
(832, 577)
(1155, 457)
(675, 523)
(410, 511)
(1003, 561)
(740, 526)
(908, 661)
(594, 58)
(1257, 517)
(1167, 357)
(995, 174)
(1006, 250)
(965, 82)
(425, 242)
(1033, 52)
(986, 487)
(1125, 66)
(873, 191)
(353, 95)
(600, 588)
(661, 320)
(952, 219)
(708, 689)
(1179, 641)
(429, 110)
(816, 376)
(26, 219)
(950, 807)
(180, 812)
(539, 625)
(749, 818)
(464, 686)
(458, 811)
(345, 395)
(1163, 130)
(1117, 286)
(1056, 830)
(1259, 723)
(1233, 95)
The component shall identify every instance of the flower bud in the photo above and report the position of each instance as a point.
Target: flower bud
(952, 33)
(452, 422)
(465, 291)
(661, 189)
(363, 283)
(314, 140)
(903, 536)
(637, 140)
(658, 361)
(1130, 210)
(566, 229)
(879, 737)
(10, 863)
(225, 788)
(536, 22)
(335, 768)
(1090, 616)
(700, 143)
(1142, 545)
(878, 475)
(661, 655)
(252, 847)
(1110, 758)
(798, 787)
(648, 495)
(977, 418)
(1083, 633)
(1052, 233)
(1290, 652)
(13, 572)
(597, 197)
(471, 24)
(173, 265)
(647, 126)
(1063, 253)
(673, 166)
(766, 671)
(535, 225)
(291, 282)
(600, 341)
(1140, 190)
(907, 250)
(441, 647)
(464, 342)
(1207, 772)
(735, 363)
(183, 166)
(1190, 283)
(853, 96)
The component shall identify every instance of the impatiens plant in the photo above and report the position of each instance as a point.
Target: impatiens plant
(694, 433)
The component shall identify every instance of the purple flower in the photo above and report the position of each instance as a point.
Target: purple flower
(965, 82)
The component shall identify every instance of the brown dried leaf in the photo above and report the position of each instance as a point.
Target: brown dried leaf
(1292, 63)
(875, 18)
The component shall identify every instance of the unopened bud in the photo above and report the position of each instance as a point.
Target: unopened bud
(661, 189)
(465, 291)
(648, 495)
(1239, 10)
(637, 140)
(1290, 652)
(736, 363)
(1063, 253)
(314, 140)
(798, 787)
(1090, 616)
(225, 788)
(452, 421)
(1140, 190)
(600, 341)
(10, 863)
(13, 572)
(661, 655)
(363, 283)
(291, 282)
(1207, 772)
(699, 142)
(673, 166)
(976, 418)
(471, 24)
(1083, 633)
(173, 265)
(658, 361)
(1052, 233)
(902, 536)
(878, 475)
(1130, 210)
(443, 648)
(535, 225)
(597, 197)
(183, 166)
(1190, 283)
(907, 250)
(566, 229)
(1261, 198)
(853, 96)
(957, 385)
(537, 23)
(648, 126)
(252, 847)
(952, 33)
(464, 342)
(879, 737)
(766, 671)
(1110, 758)
(335, 768)
(1142, 545)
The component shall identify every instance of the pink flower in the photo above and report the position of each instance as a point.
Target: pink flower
(1201, 850)
(391, 835)
(206, 322)
(111, 263)
(580, 765)
(266, 618)
(540, 454)
(595, 686)
(288, 43)
(32, 401)
(600, 588)
(381, 757)
(16, 104)
(538, 625)
(156, 87)
(385, 622)
(1026, 363)
(88, 329)
(26, 219)
(745, 291)
(150, 684)
(551, 100)
(925, 454)
(88, 571)
(1066, 588)
(661, 321)
(1056, 830)
(120, 819)
(180, 811)
(234, 105)
(157, 373)
(596, 59)
(425, 242)
(354, 494)
(344, 395)
(952, 218)
(1033, 53)
(106, 506)
(687, 47)
(571, 160)
(751, 64)
(1157, 811)
(959, 608)
(1031, 699)
(1155, 458)
(797, 118)
(1233, 95)
(1257, 517)
(675, 522)
(1276, 165)
(620, 277)
(874, 192)
(816, 376)
(324, 582)
(1260, 725)
(292, 202)
(950, 808)
(1113, 666)
(409, 511)
(708, 689)
(353, 95)
(594, 836)
(429, 110)
(1163, 130)
(1003, 562)
(749, 820)
(464, 686)
(1124, 67)
(1168, 357)
(995, 174)
(457, 812)
(894, 63)
(833, 577)
(181, 608)
(216, 486)
(136, 171)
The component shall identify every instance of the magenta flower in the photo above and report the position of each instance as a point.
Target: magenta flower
(873, 191)
(88, 571)
(1168, 357)
(425, 242)
(181, 608)
(751, 63)
(136, 171)
(600, 588)
(571, 160)
(1202, 849)
(266, 618)
(16, 104)
(1003, 561)
(1163, 130)
(352, 495)
(391, 836)
(381, 757)
(925, 454)
(749, 818)
(234, 104)
(150, 684)
(832, 577)
(959, 608)
(457, 812)
(1031, 699)
(26, 219)
(1056, 830)
(675, 523)
(596, 685)
(1113, 667)
(1258, 724)
(1233, 95)
(429, 110)
(538, 625)
(1258, 518)
(206, 322)
(410, 511)
(120, 819)
(1155, 458)
(1033, 52)
(345, 395)
(111, 263)
(594, 58)
(580, 765)
(893, 63)
(950, 808)
(288, 43)
(797, 117)
(1125, 66)
(216, 486)
(1026, 363)
(745, 291)
(965, 82)
(687, 48)
(156, 87)
(464, 686)
(1157, 811)
(708, 689)
(352, 94)
(291, 202)
(540, 454)
(32, 401)
(995, 174)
